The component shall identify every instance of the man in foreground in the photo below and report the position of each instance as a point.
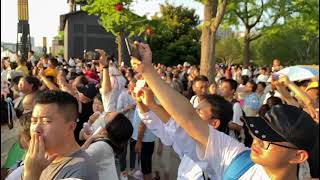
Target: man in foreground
(53, 151)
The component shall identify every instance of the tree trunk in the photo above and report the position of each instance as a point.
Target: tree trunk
(246, 49)
(120, 40)
(206, 43)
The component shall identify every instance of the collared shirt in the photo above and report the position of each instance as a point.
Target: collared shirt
(171, 134)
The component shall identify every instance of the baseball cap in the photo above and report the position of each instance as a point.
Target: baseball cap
(284, 123)
(313, 85)
(88, 90)
(186, 64)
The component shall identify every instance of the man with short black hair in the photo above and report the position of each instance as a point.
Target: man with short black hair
(227, 90)
(251, 101)
(53, 151)
(200, 86)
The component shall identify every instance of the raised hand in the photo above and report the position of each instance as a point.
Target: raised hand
(146, 58)
(147, 97)
(103, 58)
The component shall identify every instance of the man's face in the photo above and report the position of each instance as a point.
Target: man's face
(200, 87)
(204, 110)
(47, 121)
(275, 156)
(225, 90)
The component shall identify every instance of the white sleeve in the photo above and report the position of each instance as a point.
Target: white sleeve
(154, 123)
(99, 149)
(237, 113)
(220, 151)
(121, 103)
(109, 101)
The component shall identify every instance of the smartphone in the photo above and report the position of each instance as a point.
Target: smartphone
(132, 48)
(139, 85)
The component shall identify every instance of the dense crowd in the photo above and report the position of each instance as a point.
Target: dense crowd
(77, 119)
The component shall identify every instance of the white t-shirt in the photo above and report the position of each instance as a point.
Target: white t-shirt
(237, 113)
(262, 78)
(109, 100)
(220, 151)
(99, 122)
(102, 153)
(124, 100)
(194, 101)
(190, 168)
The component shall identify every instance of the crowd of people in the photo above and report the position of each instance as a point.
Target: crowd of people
(77, 119)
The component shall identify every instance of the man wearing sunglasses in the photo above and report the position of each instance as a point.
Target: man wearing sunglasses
(292, 129)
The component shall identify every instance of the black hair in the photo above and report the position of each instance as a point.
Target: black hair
(221, 109)
(119, 132)
(98, 97)
(254, 85)
(245, 79)
(32, 52)
(54, 61)
(200, 78)
(263, 84)
(233, 84)
(34, 81)
(273, 100)
(15, 80)
(67, 104)
(263, 109)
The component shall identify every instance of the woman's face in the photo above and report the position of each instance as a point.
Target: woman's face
(97, 105)
(24, 86)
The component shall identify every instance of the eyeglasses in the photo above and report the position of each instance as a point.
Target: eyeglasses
(266, 144)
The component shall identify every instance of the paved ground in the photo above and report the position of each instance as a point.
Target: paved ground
(166, 164)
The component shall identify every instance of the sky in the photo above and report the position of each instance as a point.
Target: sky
(44, 16)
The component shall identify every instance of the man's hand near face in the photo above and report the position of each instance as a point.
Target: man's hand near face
(36, 158)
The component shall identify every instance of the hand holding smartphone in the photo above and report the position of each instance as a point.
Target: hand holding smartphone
(132, 48)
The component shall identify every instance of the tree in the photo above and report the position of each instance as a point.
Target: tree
(228, 51)
(256, 16)
(176, 35)
(213, 14)
(116, 17)
(288, 43)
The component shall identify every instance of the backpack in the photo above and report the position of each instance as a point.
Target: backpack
(238, 166)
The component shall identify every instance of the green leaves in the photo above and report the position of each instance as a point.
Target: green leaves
(113, 20)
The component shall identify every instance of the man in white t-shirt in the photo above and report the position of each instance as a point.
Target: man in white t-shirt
(200, 87)
(263, 77)
(282, 140)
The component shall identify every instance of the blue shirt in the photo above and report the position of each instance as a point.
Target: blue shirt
(148, 135)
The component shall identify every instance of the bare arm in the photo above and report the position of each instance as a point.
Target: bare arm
(106, 84)
(47, 82)
(173, 102)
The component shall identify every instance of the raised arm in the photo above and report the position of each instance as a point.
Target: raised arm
(47, 82)
(173, 102)
(106, 84)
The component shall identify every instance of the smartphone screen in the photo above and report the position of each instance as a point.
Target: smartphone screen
(140, 84)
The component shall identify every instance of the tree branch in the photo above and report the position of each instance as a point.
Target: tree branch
(259, 17)
(252, 38)
(220, 14)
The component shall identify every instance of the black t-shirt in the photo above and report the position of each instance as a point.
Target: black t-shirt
(83, 117)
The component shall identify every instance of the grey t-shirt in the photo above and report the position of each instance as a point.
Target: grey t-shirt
(79, 165)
